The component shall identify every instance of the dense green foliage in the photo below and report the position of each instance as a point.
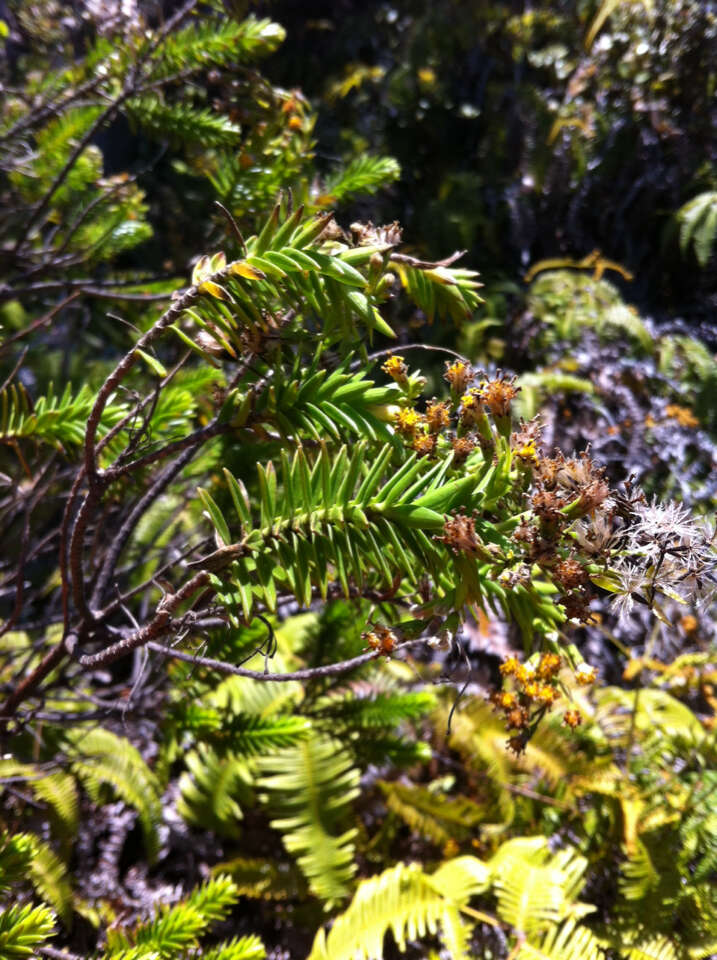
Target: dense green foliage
(305, 651)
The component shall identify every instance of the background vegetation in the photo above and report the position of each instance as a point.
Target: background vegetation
(312, 642)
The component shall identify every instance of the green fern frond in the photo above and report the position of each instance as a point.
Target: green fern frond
(100, 757)
(309, 788)
(212, 789)
(364, 174)
(49, 876)
(59, 791)
(654, 710)
(650, 948)
(16, 852)
(237, 696)
(23, 929)
(263, 879)
(698, 225)
(433, 815)
(252, 736)
(350, 712)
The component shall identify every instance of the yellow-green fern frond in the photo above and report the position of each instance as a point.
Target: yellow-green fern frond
(100, 757)
(310, 787)
(49, 876)
(212, 788)
(408, 902)
(433, 814)
(536, 891)
(567, 942)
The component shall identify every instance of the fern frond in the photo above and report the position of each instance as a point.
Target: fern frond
(570, 941)
(263, 879)
(212, 789)
(310, 787)
(59, 791)
(535, 891)
(433, 815)
(238, 696)
(351, 712)
(16, 852)
(698, 225)
(49, 876)
(407, 901)
(651, 948)
(100, 757)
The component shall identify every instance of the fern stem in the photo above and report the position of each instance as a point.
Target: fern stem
(483, 917)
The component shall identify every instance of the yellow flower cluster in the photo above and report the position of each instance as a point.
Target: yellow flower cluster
(396, 368)
(534, 690)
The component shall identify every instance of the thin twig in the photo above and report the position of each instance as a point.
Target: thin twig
(412, 346)
(310, 673)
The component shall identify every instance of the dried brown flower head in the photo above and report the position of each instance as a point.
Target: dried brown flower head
(572, 718)
(585, 674)
(459, 535)
(367, 235)
(517, 718)
(382, 639)
(569, 574)
(547, 506)
(471, 410)
(462, 448)
(526, 441)
(438, 416)
(425, 444)
(576, 606)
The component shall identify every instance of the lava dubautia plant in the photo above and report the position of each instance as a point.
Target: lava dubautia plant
(251, 450)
